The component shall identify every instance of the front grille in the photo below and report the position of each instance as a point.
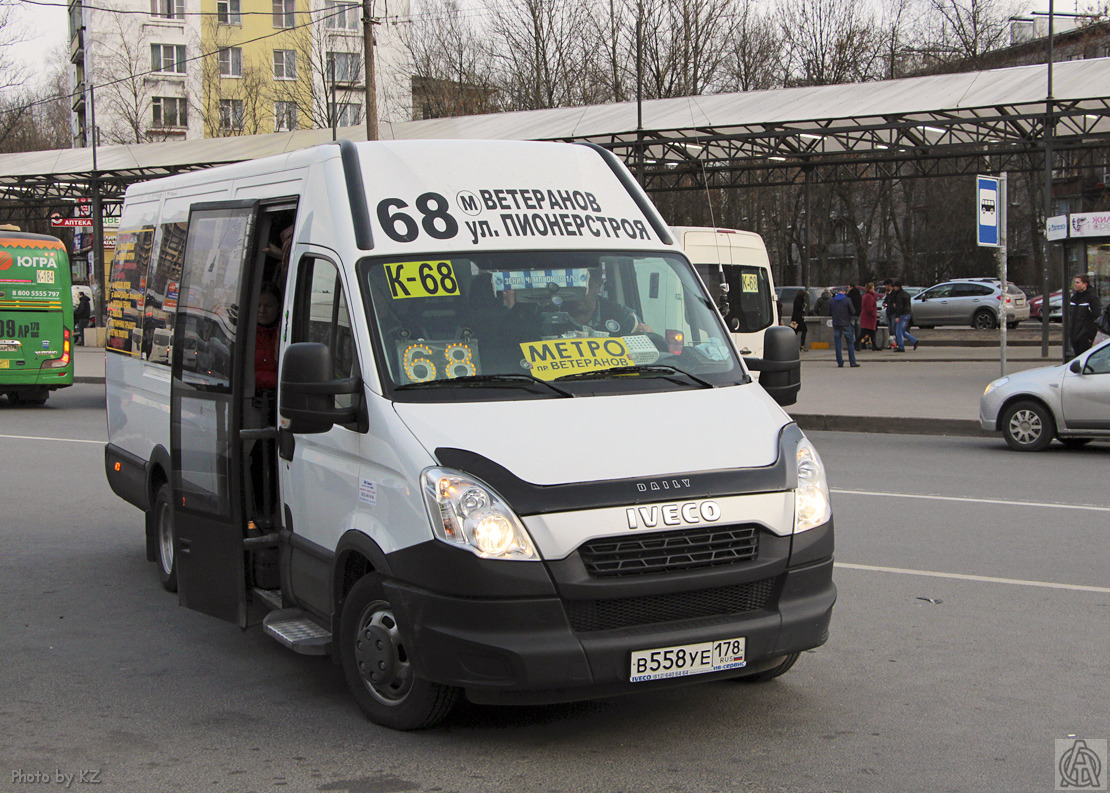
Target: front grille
(670, 551)
(605, 615)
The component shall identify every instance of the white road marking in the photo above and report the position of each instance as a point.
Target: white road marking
(984, 578)
(1049, 505)
(38, 438)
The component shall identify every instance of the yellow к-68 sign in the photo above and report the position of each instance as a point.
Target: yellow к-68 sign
(421, 279)
(557, 357)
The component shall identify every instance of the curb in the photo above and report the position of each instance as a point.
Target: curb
(891, 425)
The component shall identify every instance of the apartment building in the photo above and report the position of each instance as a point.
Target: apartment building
(158, 70)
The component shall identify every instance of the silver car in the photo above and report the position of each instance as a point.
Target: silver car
(969, 301)
(1070, 402)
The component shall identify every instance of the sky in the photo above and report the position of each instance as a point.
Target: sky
(48, 27)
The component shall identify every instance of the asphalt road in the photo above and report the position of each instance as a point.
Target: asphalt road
(969, 634)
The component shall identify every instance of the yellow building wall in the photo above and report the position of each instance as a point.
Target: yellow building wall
(257, 37)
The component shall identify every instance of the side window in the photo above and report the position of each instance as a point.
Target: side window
(127, 290)
(161, 292)
(322, 316)
(944, 290)
(1099, 362)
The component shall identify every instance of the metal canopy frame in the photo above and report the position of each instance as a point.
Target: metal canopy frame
(943, 125)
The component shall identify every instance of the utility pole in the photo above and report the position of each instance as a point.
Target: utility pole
(1046, 284)
(368, 52)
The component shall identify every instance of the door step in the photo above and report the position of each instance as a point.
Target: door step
(298, 631)
(271, 597)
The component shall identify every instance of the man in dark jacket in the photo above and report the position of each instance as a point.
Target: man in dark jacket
(81, 314)
(842, 312)
(902, 310)
(856, 296)
(1084, 312)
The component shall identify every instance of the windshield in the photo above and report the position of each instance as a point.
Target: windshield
(546, 324)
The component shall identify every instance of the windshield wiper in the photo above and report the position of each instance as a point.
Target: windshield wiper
(669, 372)
(488, 380)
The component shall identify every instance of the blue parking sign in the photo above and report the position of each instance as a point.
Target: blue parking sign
(988, 210)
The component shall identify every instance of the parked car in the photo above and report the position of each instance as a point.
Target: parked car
(1070, 402)
(969, 301)
(1055, 307)
(786, 294)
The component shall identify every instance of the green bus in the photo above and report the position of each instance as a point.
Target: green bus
(36, 317)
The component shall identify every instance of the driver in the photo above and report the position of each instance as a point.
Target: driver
(600, 313)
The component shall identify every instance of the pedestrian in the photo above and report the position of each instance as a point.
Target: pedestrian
(821, 308)
(856, 296)
(81, 314)
(798, 317)
(1084, 314)
(868, 317)
(903, 313)
(888, 310)
(841, 310)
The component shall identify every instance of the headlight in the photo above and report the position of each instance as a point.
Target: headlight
(995, 384)
(467, 513)
(811, 499)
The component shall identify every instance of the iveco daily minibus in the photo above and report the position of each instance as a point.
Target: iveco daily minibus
(462, 416)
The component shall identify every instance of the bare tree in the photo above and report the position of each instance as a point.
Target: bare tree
(540, 54)
(964, 30)
(828, 41)
(12, 31)
(452, 74)
(123, 69)
(685, 44)
(754, 52)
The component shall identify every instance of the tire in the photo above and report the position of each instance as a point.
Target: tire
(778, 670)
(926, 327)
(984, 319)
(1012, 325)
(377, 667)
(1075, 443)
(162, 516)
(1028, 426)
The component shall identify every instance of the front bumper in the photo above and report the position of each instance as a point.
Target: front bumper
(547, 647)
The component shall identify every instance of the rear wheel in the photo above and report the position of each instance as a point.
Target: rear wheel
(163, 530)
(1027, 426)
(779, 669)
(378, 666)
(984, 319)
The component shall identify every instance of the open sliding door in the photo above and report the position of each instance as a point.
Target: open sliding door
(209, 358)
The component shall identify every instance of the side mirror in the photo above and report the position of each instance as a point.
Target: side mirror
(308, 390)
(780, 368)
(1076, 367)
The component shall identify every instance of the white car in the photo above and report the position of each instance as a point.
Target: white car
(1070, 402)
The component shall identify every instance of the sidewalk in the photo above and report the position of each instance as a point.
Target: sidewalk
(933, 390)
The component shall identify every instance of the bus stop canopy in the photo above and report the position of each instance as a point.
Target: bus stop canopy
(920, 126)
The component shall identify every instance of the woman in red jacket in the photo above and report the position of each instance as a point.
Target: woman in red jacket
(869, 317)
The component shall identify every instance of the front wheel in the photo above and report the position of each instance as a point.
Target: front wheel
(778, 670)
(1028, 426)
(163, 535)
(984, 320)
(378, 666)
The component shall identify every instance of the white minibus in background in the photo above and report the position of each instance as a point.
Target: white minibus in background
(735, 267)
(478, 429)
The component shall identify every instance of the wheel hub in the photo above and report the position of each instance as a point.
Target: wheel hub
(377, 657)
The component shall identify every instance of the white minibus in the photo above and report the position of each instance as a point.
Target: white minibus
(474, 428)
